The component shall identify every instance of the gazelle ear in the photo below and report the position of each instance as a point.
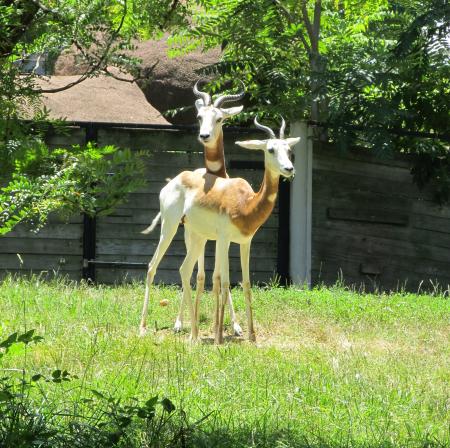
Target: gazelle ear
(231, 111)
(292, 141)
(199, 104)
(253, 144)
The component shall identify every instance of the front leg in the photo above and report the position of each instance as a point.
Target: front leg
(223, 245)
(237, 330)
(195, 247)
(245, 264)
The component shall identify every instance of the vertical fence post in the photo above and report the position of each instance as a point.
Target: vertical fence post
(283, 252)
(89, 223)
(301, 206)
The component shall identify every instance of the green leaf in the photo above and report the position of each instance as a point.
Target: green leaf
(27, 337)
(167, 405)
(5, 395)
(98, 394)
(151, 403)
(10, 340)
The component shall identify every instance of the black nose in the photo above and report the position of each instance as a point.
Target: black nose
(204, 136)
(290, 169)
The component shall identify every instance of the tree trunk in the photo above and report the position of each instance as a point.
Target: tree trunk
(319, 100)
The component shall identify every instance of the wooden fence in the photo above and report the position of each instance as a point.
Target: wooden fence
(111, 248)
(370, 225)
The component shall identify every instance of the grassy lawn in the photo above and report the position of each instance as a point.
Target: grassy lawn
(331, 367)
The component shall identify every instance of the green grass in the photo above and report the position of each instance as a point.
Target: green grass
(331, 367)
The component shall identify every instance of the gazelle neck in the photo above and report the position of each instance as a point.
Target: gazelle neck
(215, 157)
(260, 206)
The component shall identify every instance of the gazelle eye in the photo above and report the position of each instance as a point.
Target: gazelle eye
(218, 120)
(271, 150)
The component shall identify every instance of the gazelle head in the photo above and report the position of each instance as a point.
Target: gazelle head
(211, 115)
(277, 151)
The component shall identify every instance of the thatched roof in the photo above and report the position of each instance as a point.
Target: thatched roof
(98, 99)
(166, 85)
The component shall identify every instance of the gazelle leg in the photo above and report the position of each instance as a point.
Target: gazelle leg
(237, 330)
(168, 230)
(222, 252)
(245, 264)
(195, 247)
(200, 286)
(216, 290)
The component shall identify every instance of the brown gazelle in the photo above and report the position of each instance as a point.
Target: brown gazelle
(211, 116)
(221, 209)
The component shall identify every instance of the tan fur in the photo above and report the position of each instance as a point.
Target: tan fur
(215, 153)
(234, 197)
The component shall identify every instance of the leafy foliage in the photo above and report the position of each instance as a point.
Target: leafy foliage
(90, 180)
(379, 74)
(27, 418)
(33, 180)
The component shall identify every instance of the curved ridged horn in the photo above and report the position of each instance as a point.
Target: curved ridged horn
(283, 127)
(227, 98)
(203, 95)
(264, 128)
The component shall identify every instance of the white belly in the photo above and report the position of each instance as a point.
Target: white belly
(212, 225)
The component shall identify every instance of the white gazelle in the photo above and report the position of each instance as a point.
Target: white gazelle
(211, 116)
(222, 209)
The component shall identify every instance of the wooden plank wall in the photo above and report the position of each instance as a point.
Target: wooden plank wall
(372, 226)
(170, 152)
(57, 248)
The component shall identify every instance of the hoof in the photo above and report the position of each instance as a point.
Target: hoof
(142, 331)
(237, 329)
(178, 326)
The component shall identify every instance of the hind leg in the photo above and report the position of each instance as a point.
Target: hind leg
(168, 229)
(199, 287)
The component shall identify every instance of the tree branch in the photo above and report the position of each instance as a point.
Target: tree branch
(95, 67)
(291, 19)
(316, 24)
(26, 13)
(133, 79)
(308, 24)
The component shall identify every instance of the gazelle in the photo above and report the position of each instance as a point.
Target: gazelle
(211, 116)
(221, 209)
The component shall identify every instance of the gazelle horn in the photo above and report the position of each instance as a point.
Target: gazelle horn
(227, 98)
(265, 129)
(203, 95)
(283, 127)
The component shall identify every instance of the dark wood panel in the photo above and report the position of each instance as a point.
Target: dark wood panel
(260, 249)
(173, 277)
(40, 246)
(435, 224)
(342, 241)
(397, 233)
(40, 262)
(372, 215)
(51, 230)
